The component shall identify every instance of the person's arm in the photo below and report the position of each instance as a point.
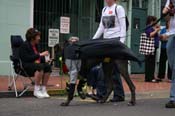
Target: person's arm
(100, 30)
(122, 22)
(123, 30)
(166, 8)
(152, 34)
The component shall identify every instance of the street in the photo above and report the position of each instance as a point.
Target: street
(51, 107)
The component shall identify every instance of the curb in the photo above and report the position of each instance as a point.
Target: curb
(11, 94)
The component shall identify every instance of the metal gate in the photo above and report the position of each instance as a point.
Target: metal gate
(47, 15)
(84, 14)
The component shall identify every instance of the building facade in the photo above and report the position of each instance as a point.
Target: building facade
(18, 15)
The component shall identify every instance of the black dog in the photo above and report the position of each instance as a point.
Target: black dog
(93, 52)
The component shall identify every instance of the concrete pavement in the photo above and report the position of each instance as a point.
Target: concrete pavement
(51, 107)
(151, 99)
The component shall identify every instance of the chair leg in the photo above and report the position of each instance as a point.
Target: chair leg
(14, 83)
(10, 80)
(26, 89)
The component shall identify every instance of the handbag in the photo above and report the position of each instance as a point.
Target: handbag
(147, 46)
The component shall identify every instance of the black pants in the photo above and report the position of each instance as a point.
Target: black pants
(162, 65)
(149, 67)
(31, 68)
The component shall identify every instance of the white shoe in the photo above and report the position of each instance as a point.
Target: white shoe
(45, 94)
(38, 94)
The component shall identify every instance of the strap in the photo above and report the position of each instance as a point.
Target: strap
(117, 14)
(116, 10)
(104, 9)
(162, 17)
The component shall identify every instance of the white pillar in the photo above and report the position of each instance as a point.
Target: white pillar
(31, 12)
(128, 8)
(130, 26)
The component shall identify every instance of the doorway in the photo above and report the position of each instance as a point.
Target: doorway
(139, 16)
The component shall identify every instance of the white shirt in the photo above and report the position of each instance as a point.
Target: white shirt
(112, 25)
(172, 20)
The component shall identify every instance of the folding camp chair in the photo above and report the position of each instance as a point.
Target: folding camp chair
(18, 72)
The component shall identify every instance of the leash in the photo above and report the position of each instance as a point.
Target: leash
(162, 17)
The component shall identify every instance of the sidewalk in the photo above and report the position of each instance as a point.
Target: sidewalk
(59, 83)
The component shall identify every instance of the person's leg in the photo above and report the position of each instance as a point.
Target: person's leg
(169, 73)
(149, 68)
(162, 64)
(172, 94)
(171, 59)
(119, 94)
(73, 73)
(171, 103)
(147, 79)
(46, 76)
(152, 67)
(101, 84)
(92, 79)
(38, 77)
(35, 70)
(118, 88)
(37, 89)
(45, 80)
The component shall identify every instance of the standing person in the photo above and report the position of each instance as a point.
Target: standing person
(113, 26)
(34, 62)
(163, 55)
(73, 64)
(169, 8)
(152, 33)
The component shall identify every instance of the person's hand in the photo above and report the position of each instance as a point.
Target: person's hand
(158, 28)
(166, 10)
(46, 53)
(164, 37)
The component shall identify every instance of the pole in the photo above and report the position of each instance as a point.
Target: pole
(53, 55)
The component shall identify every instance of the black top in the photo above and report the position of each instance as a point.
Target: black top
(71, 51)
(27, 54)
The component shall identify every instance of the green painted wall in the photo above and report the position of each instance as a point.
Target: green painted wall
(14, 20)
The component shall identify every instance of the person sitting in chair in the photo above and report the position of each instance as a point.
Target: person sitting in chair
(34, 62)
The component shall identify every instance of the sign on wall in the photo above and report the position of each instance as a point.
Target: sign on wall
(65, 25)
(53, 37)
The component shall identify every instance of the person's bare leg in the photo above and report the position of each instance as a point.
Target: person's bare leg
(46, 77)
(45, 80)
(38, 76)
(37, 89)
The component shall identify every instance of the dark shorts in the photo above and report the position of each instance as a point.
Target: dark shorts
(31, 68)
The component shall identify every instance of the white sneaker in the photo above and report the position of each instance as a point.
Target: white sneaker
(38, 94)
(45, 94)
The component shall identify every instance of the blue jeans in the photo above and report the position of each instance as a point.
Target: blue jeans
(171, 59)
(92, 77)
(118, 86)
(101, 85)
